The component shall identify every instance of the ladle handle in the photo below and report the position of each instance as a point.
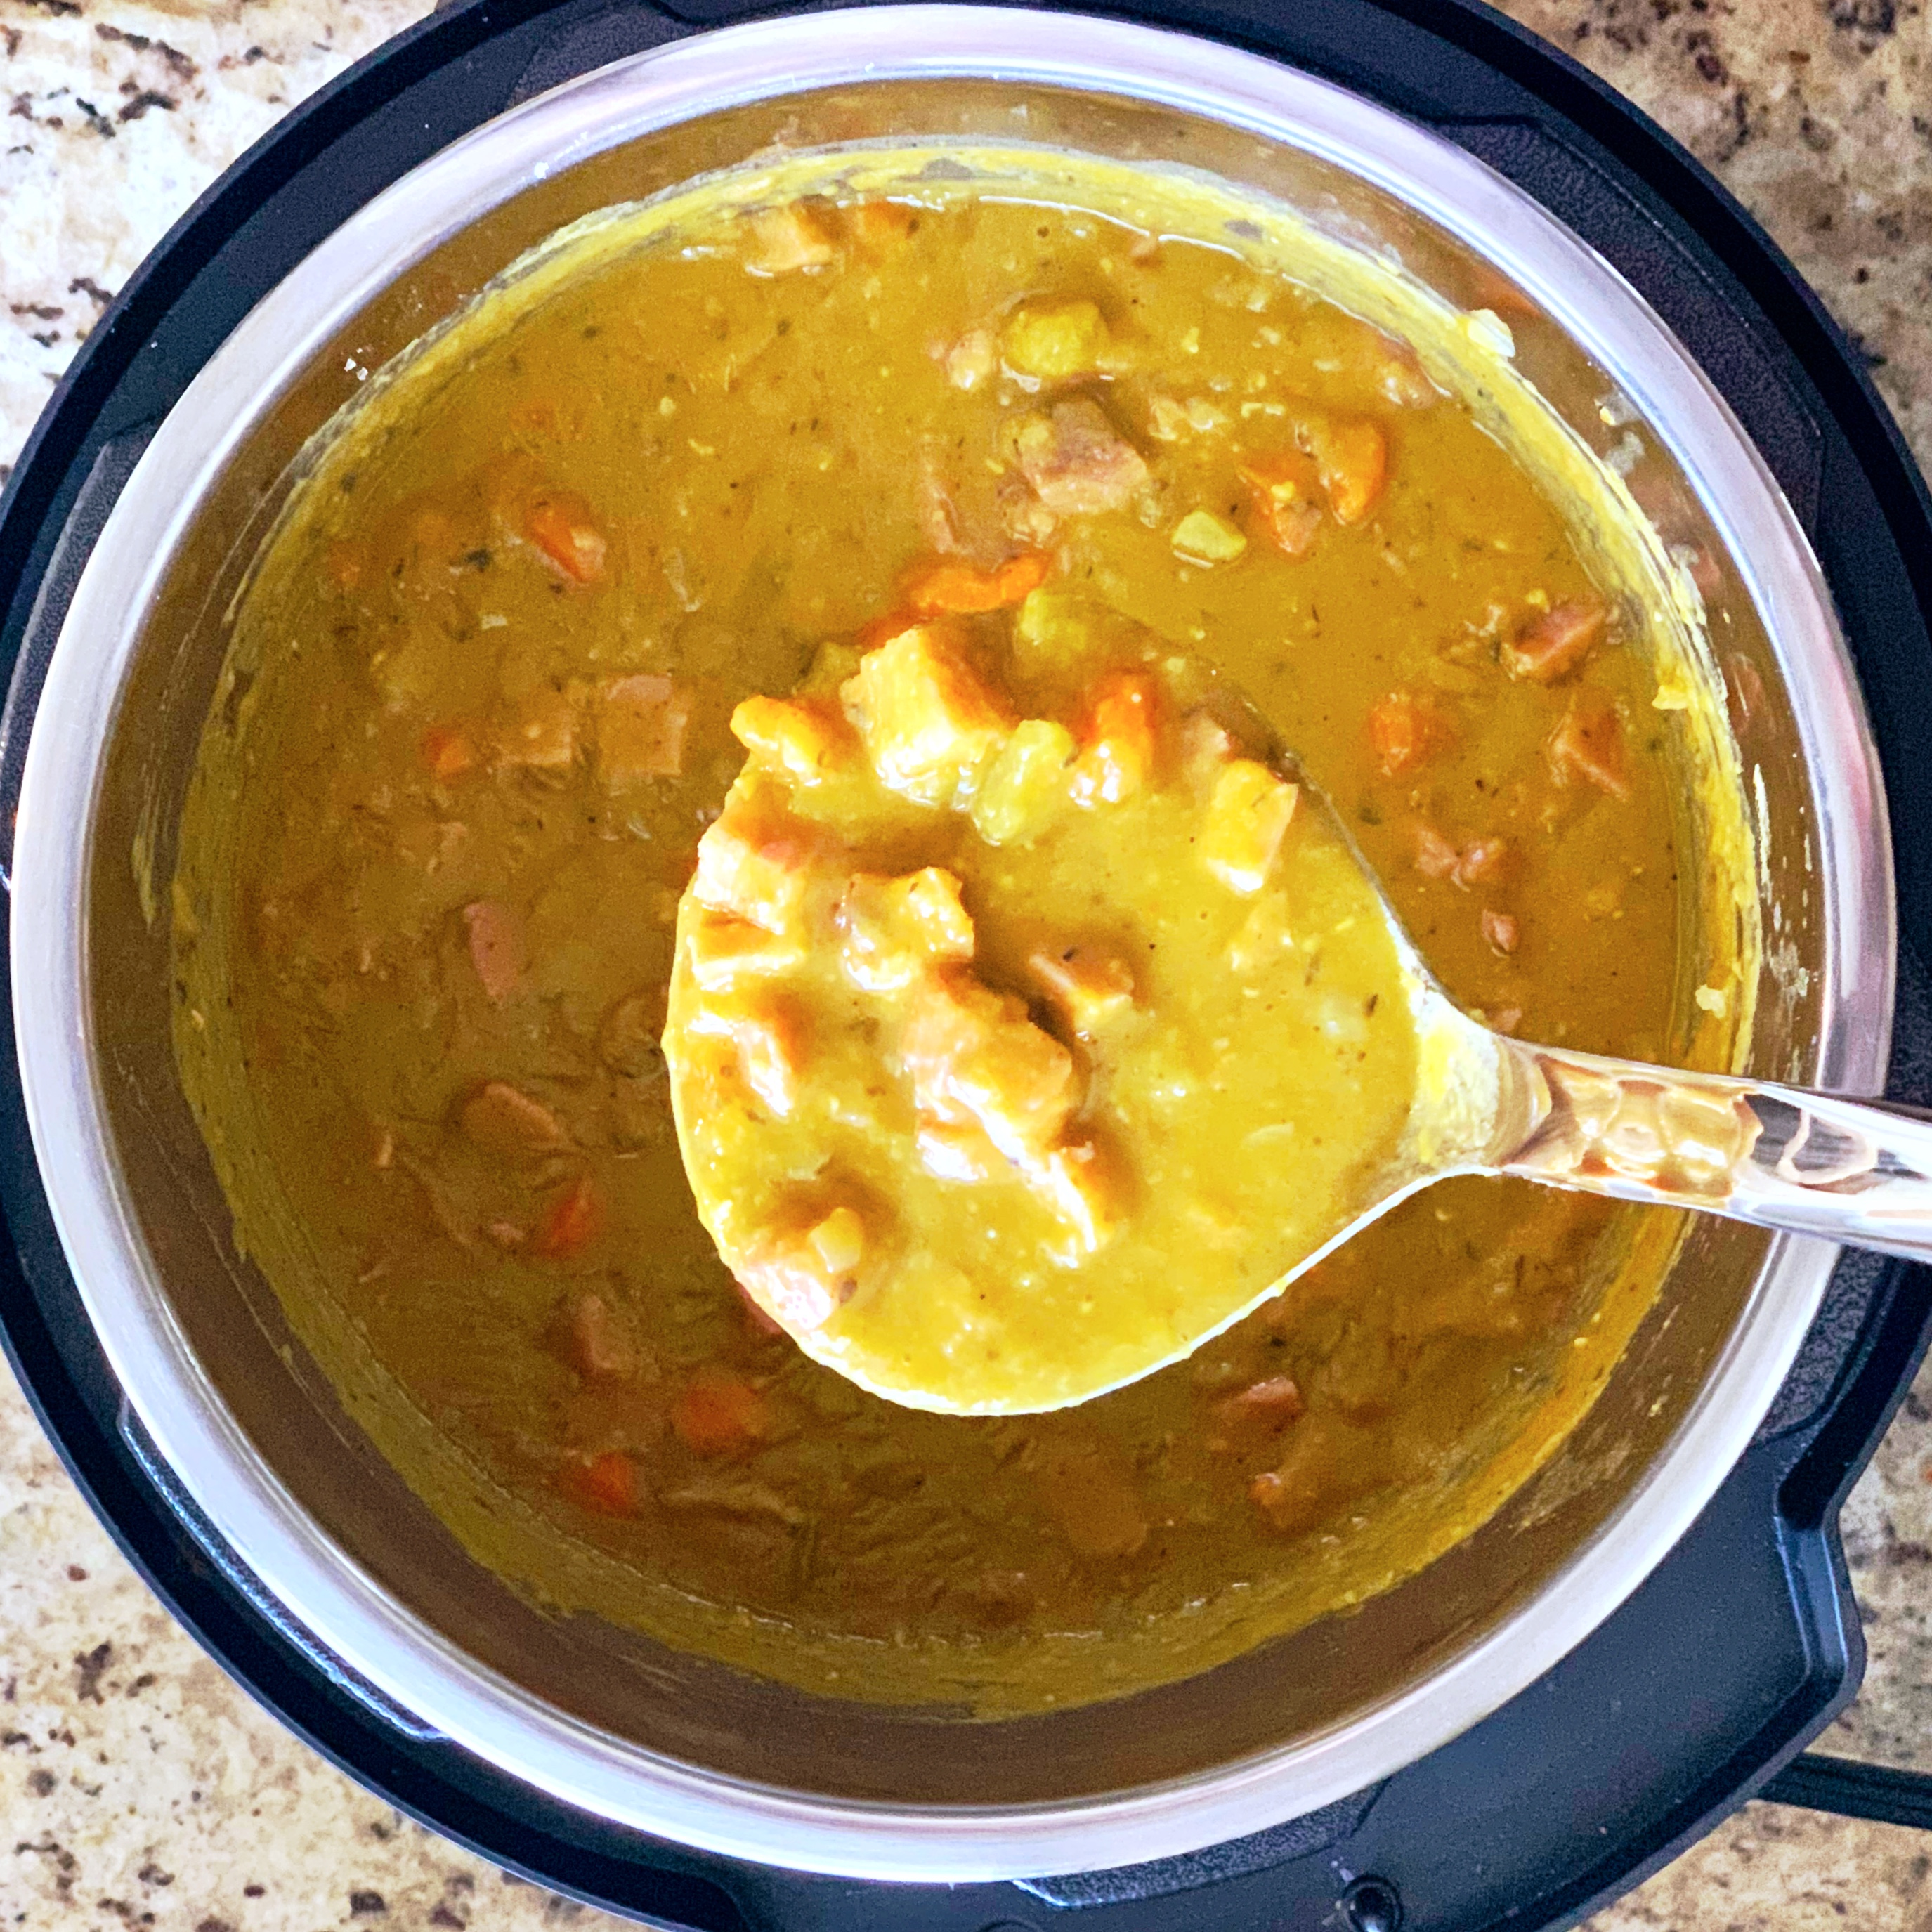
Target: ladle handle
(1856, 1172)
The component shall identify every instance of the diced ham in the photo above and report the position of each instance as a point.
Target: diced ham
(1281, 488)
(1589, 745)
(927, 722)
(1078, 463)
(541, 734)
(973, 1054)
(1247, 818)
(641, 721)
(725, 952)
(1405, 732)
(894, 930)
(1277, 1399)
(806, 738)
(1436, 858)
(972, 360)
(592, 1340)
(880, 226)
(1080, 1185)
(1499, 928)
(782, 240)
(767, 1032)
(495, 935)
(1482, 861)
(755, 866)
(804, 1276)
(503, 1120)
(448, 751)
(1088, 986)
(1119, 739)
(960, 1151)
(1550, 647)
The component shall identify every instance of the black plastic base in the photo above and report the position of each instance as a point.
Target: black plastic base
(1744, 1643)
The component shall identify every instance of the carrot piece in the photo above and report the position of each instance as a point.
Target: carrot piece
(717, 1414)
(449, 751)
(606, 1485)
(1404, 731)
(572, 1222)
(1589, 744)
(1118, 742)
(1350, 461)
(946, 585)
(560, 526)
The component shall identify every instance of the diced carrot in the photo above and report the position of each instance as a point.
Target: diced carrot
(877, 226)
(767, 1034)
(806, 737)
(1404, 731)
(562, 527)
(573, 1220)
(1499, 928)
(502, 1119)
(1281, 487)
(606, 1484)
(1119, 739)
(641, 721)
(717, 1414)
(1589, 745)
(946, 585)
(1351, 456)
(448, 751)
(495, 947)
(1550, 647)
(928, 721)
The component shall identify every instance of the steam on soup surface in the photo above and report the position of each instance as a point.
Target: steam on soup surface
(478, 718)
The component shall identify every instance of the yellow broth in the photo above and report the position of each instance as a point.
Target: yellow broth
(477, 718)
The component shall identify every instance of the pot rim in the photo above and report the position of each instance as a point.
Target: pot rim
(344, 1607)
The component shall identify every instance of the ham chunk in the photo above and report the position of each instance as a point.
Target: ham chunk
(759, 868)
(895, 931)
(503, 1120)
(767, 1034)
(1248, 817)
(1589, 745)
(928, 724)
(960, 1151)
(803, 1276)
(1281, 488)
(1088, 986)
(641, 721)
(725, 952)
(591, 1339)
(1351, 456)
(782, 240)
(1078, 463)
(973, 1055)
(495, 936)
(1080, 1185)
(1548, 648)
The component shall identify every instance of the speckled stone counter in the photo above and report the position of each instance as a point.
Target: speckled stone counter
(137, 1785)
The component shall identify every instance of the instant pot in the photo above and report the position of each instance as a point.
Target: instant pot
(1638, 1641)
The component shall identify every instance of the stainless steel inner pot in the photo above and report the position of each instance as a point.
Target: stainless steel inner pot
(666, 1743)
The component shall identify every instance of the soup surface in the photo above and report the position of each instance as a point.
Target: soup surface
(478, 718)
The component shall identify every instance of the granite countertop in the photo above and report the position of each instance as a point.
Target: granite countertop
(137, 1784)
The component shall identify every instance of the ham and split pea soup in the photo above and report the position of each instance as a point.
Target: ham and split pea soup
(807, 651)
